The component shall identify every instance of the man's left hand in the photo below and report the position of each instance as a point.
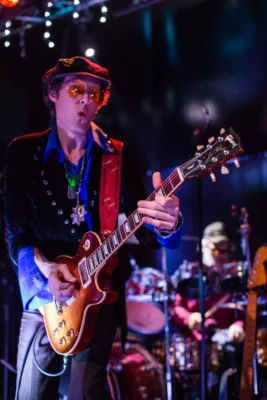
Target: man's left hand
(163, 211)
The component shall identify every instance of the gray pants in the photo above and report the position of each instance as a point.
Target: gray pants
(88, 371)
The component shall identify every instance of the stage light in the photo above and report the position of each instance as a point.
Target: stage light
(76, 2)
(49, 4)
(51, 45)
(48, 23)
(7, 43)
(89, 52)
(103, 19)
(47, 14)
(47, 35)
(9, 3)
(8, 24)
(7, 32)
(75, 15)
(104, 9)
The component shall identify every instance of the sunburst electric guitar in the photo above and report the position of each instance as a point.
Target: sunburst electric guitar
(70, 326)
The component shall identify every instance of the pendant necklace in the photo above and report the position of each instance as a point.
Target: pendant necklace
(74, 189)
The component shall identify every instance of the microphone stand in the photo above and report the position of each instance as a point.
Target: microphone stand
(201, 289)
(168, 371)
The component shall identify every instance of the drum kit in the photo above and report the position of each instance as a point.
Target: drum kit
(150, 299)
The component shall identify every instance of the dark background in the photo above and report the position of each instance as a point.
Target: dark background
(180, 71)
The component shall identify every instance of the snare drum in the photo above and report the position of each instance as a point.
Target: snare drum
(185, 354)
(135, 375)
(144, 295)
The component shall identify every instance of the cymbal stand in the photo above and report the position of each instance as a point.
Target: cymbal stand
(201, 288)
(168, 371)
(244, 230)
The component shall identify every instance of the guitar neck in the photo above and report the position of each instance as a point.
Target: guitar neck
(131, 225)
(246, 390)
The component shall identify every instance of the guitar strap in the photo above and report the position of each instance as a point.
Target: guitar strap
(110, 186)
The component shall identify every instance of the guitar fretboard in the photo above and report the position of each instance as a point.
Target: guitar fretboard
(126, 229)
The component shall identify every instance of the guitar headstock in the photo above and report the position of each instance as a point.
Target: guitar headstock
(225, 147)
(258, 274)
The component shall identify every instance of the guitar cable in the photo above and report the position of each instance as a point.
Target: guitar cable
(65, 358)
(32, 343)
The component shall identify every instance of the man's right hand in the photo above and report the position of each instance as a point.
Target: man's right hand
(61, 282)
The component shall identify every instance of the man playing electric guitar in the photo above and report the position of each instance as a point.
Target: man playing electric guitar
(52, 194)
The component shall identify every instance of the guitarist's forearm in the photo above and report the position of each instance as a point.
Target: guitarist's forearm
(43, 264)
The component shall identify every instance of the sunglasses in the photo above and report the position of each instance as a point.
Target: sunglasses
(78, 89)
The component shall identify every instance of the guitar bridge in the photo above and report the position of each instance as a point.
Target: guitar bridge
(58, 307)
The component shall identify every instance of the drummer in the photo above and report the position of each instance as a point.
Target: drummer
(217, 251)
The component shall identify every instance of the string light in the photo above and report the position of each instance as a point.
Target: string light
(90, 52)
(52, 11)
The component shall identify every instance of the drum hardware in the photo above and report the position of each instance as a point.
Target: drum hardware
(135, 375)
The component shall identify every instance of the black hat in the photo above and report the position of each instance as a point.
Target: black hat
(217, 232)
(77, 66)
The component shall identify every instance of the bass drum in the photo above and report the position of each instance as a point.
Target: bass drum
(135, 375)
(144, 297)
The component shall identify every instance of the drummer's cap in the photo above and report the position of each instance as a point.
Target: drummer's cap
(217, 232)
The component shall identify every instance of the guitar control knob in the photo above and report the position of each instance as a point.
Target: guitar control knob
(62, 340)
(211, 139)
(70, 333)
(55, 332)
(62, 324)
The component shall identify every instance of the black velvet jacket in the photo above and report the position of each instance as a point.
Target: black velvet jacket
(37, 210)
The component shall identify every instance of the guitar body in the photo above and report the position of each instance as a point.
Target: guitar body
(71, 327)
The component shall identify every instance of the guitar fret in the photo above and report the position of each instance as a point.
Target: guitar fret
(83, 271)
(160, 191)
(136, 218)
(167, 186)
(91, 265)
(100, 255)
(111, 244)
(96, 263)
(105, 248)
(127, 227)
(122, 233)
(175, 178)
(115, 240)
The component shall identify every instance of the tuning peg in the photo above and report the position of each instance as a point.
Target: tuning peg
(222, 131)
(236, 162)
(200, 147)
(211, 139)
(224, 170)
(213, 177)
